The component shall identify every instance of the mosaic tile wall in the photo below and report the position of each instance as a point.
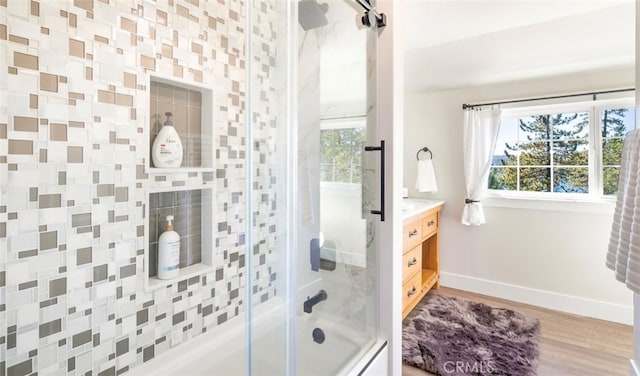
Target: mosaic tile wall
(74, 146)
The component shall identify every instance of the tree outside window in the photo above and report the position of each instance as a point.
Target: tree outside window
(550, 152)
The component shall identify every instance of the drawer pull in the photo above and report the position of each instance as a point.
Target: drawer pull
(431, 223)
(413, 233)
(412, 262)
(412, 292)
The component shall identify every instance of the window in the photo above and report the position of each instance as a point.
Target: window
(570, 150)
(341, 148)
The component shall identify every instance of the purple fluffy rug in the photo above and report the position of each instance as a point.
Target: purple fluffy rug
(452, 337)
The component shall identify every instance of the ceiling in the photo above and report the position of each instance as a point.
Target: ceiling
(459, 43)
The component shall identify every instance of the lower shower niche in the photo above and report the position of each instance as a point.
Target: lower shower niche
(192, 210)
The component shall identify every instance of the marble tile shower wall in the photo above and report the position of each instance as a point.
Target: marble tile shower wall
(74, 135)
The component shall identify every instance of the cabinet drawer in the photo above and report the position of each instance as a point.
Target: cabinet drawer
(411, 289)
(411, 235)
(429, 225)
(411, 262)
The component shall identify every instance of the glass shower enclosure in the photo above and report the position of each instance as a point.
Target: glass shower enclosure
(329, 153)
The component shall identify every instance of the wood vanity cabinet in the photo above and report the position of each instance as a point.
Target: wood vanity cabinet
(420, 259)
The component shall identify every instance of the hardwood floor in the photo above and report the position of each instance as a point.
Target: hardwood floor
(569, 344)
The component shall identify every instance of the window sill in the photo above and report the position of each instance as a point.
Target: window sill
(602, 205)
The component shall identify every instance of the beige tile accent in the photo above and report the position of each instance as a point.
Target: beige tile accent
(48, 82)
(76, 124)
(197, 75)
(33, 101)
(43, 156)
(88, 73)
(161, 17)
(17, 39)
(112, 87)
(167, 51)
(44, 121)
(25, 124)
(213, 23)
(3, 131)
(152, 33)
(133, 115)
(195, 2)
(12, 70)
(84, 4)
(74, 154)
(233, 15)
(58, 132)
(106, 96)
(79, 96)
(35, 8)
(62, 79)
(124, 100)
(44, 30)
(73, 20)
(20, 147)
(25, 61)
(101, 39)
(148, 62)
(130, 80)
(3, 32)
(76, 48)
(64, 13)
(119, 51)
(182, 11)
(3, 3)
(129, 25)
(196, 48)
(178, 71)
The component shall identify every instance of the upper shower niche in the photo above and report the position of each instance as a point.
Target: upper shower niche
(192, 119)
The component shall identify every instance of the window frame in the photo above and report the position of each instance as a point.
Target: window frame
(595, 199)
(356, 122)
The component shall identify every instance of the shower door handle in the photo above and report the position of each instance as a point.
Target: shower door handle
(381, 149)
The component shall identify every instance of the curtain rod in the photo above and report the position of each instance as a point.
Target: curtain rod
(593, 93)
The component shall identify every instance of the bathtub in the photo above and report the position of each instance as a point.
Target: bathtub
(222, 350)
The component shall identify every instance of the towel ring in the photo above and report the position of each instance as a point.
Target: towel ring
(426, 150)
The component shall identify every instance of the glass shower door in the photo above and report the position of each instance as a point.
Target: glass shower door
(338, 186)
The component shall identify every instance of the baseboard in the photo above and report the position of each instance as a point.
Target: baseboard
(635, 370)
(547, 299)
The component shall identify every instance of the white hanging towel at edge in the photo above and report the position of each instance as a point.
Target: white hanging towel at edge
(426, 179)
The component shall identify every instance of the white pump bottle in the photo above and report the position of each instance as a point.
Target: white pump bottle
(169, 252)
(166, 151)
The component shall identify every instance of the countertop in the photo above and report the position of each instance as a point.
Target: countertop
(415, 206)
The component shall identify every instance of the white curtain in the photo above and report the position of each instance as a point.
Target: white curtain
(480, 135)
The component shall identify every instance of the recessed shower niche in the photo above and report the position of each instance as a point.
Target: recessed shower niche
(191, 108)
(192, 210)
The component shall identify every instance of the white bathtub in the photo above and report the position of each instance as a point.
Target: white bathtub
(222, 351)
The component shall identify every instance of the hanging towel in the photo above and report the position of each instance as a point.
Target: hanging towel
(623, 253)
(426, 180)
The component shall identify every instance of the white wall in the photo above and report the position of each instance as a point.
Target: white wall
(553, 258)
